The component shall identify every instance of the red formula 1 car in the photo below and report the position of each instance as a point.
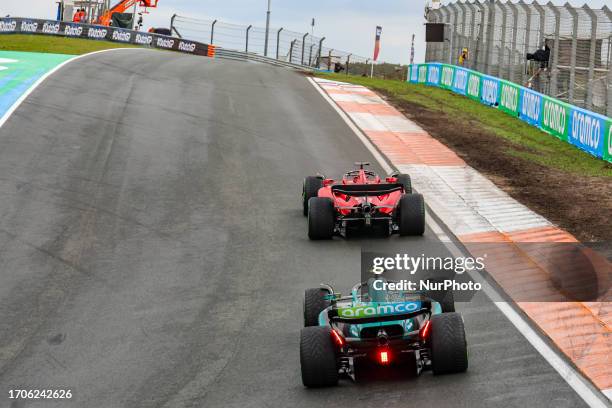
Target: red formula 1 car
(362, 199)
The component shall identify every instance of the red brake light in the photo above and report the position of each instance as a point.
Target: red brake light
(424, 332)
(338, 339)
(384, 357)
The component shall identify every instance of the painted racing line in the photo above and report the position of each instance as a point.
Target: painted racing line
(476, 211)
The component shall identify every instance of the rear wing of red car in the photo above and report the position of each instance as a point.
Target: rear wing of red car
(366, 190)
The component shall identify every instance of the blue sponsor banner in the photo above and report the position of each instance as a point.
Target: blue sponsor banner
(414, 73)
(434, 72)
(587, 130)
(460, 82)
(531, 106)
(490, 90)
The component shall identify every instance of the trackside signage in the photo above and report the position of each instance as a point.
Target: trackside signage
(509, 98)
(460, 82)
(474, 81)
(414, 73)
(584, 129)
(531, 107)
(448, 73)
(75, 30)
(490, 91)
(433, 74)
(608, 143)
(555, 117)
(587, 131)
(378, 309)
(422, 74)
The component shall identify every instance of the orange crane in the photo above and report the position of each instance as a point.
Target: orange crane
(122, 7)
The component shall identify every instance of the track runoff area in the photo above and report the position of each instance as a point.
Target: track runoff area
(215, 381)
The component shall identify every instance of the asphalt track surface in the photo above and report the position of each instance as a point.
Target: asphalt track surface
(153, 252)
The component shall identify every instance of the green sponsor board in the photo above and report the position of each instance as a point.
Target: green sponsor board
(556, 117)
(448, 75)
(474, 85)
(509, 98)
(20, 70)
(607, 151)
(422, 74)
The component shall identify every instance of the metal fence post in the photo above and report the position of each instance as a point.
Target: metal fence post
(572, 82)
(303, 45)
(554, 71)
(490, 38)
(348, 62)
(446, 20)
(502, 48)
(278, 41)
(608, 14)
(526, 48)
(542, 25)
(310, 54)
(246, 48)
(513, 47)
(320, 48)
(472, 31)
(479, 38)
(291, 50)
(464, 37)
(212, 31)
(591, 77)
(329, 57)
(455, 11)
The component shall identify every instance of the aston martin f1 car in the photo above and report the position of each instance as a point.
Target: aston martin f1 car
(378, 326)
(362, 199)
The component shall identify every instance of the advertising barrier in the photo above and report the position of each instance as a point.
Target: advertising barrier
(586, 130)
(608, 141)
(92, 32)
(555, 117)
(531, 107)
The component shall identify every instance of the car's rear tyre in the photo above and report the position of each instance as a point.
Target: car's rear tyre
(406, 182)
(320, 218)
(411, 217)
(448, 344)
(318, 357)
(314, 304)
(310, 189)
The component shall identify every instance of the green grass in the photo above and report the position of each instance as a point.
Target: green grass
(54, 45)
(531, 143)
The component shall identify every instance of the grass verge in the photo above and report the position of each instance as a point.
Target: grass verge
(55, 45)
(524, 141)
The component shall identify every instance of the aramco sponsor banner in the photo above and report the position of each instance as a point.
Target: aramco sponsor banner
(433, 74)
(531, 107)
(460, 82)
(607, 154)
(422, 74)
(448, 74)
(509, 100)
(489, 95)
(474, 85)
(555, 117)
(66, 29)
(587, 131)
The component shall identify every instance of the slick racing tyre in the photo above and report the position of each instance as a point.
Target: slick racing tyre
(318, 357)
(320, 218)
(411, 217)
(406, 182)
(310, 189)
(314, 304)
(448, 344)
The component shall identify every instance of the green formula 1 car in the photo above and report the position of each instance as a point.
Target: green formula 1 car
(382, 326)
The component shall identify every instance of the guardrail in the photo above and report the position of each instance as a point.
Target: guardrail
(584, 129)
(244, 56)
(20, 25)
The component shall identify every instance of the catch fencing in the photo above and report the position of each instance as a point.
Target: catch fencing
(589, 131)
(285, 45)
(499, 35)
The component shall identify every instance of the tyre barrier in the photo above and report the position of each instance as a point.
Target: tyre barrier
(584, 129)
(16, 25)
